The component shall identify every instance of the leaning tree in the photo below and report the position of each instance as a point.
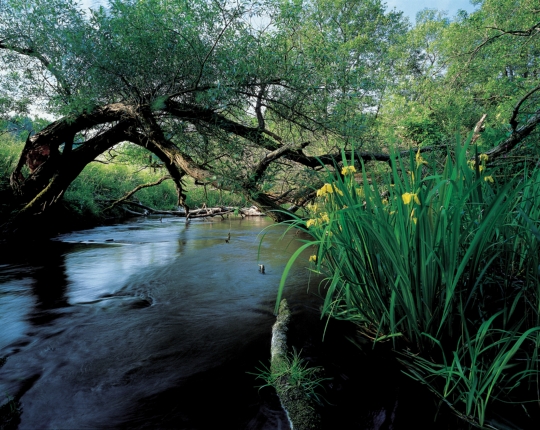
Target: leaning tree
(244, 96)
(251, 97)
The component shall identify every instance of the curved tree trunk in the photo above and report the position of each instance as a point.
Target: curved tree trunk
(54, 161)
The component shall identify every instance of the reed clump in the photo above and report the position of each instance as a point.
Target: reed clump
(444, 264)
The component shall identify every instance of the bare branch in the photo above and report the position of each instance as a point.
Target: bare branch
(534, 30)
(29, 52)
(478, 128)
(137, 188)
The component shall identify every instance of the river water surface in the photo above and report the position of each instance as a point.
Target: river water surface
(158, 323)
(144, 324)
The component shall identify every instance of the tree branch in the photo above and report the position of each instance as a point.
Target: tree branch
(137, 188)
(29, 52)
(513, 119)
(478, 128)
(535, 29)
(517, 136)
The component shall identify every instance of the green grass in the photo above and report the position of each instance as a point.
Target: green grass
(9, 153)
(442, 264)
(99, 183)
(293, 373)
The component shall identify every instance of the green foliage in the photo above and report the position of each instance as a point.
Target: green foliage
(442, 264)
(20, 127)
(347, 50)
(10, 150)
(198, 195)
(99, 183)
(454, 71)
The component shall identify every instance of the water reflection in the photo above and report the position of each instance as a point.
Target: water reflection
(15, 307)
(50, 281)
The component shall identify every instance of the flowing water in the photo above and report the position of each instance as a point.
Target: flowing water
(141, 324)
(156, 324)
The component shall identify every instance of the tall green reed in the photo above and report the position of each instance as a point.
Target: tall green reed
(444, 264)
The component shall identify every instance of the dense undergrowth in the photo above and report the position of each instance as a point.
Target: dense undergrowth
(101, 183)
(9, 153)
(444, 266)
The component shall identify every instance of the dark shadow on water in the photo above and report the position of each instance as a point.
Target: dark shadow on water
(368, 389)
(45, 264)
(219, 398)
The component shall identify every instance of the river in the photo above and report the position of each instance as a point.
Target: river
(157, 323)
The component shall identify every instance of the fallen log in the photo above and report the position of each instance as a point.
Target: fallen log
(299, 407)
(193, 213)
(251, 211)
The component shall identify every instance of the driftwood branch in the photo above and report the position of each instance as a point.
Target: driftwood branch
(193, 213)
(478, 128)
(299, 407)
(137, 188)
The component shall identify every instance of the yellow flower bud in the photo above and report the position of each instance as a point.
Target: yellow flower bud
(338, 191)
(419, 159)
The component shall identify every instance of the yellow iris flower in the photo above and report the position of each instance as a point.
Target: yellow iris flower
(325, 189)
(348, 170)
(409, 197)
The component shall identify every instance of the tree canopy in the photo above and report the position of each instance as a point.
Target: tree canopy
(255, 97)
